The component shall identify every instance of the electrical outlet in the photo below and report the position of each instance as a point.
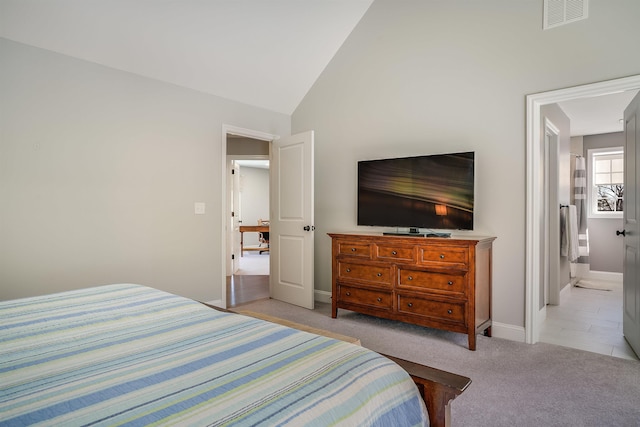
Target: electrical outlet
(199, 208)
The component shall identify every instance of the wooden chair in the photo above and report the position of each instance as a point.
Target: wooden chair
(263, 236)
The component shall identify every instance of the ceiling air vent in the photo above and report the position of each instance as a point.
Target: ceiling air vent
(560, 12)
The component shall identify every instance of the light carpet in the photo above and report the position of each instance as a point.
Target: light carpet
(513, 384)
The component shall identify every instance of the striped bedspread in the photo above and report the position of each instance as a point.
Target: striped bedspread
(133, 355)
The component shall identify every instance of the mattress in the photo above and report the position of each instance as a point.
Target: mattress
(132, 355)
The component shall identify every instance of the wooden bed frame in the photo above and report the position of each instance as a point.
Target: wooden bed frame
(437, 388)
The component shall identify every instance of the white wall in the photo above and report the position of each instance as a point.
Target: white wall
(99, 172)
(606, 249)
(421, 77)
(254, 197)
(560, 183)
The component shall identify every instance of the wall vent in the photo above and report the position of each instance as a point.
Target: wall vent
(561, 12)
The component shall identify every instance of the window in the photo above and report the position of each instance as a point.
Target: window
(606, 182)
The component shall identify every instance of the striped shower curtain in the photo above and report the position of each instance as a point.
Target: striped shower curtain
(580, 196)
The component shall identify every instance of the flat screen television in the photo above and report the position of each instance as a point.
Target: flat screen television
(432, 192)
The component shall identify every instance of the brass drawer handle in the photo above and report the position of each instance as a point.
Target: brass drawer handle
(379, 274)
(449, 283)
(449, 311)
(410, 304)
(348, 270)
(353, 249)
(410, 277)
(394, 253)
(379, 299)
(348, 294)
(441, 256)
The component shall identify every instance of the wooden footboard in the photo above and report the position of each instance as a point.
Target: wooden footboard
(438, 388)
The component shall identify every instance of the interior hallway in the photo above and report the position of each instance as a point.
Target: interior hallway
(589, 319)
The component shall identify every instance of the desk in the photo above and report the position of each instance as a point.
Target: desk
(254, 229)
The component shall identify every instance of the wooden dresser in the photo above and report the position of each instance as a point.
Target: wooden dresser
(442, 283)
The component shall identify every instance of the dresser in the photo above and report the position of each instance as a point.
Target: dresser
(437, 282)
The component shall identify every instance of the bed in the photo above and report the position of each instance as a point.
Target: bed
(133, 355)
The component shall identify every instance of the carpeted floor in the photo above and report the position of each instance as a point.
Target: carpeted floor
(514, 384)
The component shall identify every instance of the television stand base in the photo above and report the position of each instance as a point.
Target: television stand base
(411, 234)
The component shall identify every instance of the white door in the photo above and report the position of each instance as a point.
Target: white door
(236, 215)
(232, 194)
(631, 267)
(291, 227)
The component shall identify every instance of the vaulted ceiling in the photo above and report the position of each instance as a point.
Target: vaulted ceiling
(266, 53)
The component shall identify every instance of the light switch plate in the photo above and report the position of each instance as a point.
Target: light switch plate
(199, 208)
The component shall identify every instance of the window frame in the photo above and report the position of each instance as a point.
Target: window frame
(592, 199)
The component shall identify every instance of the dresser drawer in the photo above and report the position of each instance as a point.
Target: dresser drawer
(440, 310)
(357, 249)
(396, 253)
(437, 283)
(377, 299)
(450, 255)
(365, 272)
(454, 283)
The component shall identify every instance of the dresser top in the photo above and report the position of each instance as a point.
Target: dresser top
(414, 239)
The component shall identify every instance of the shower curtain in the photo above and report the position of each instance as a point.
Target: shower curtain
(580, 197)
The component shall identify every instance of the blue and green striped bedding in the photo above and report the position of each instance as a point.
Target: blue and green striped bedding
(133, 355)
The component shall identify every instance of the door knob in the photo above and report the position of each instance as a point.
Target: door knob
(309, 227)
(618, 232)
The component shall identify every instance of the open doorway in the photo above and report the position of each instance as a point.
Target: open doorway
(247, 266)
(249, 278)
(291, 210)
(538, 251)
(250, 209)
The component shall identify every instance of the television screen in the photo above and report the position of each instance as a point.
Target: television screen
(434, 192)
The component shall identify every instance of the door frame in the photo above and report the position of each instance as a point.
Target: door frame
(534, 253)
(224, 209)
(551, 262)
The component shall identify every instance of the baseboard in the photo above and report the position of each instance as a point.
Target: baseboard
(582, 270)
(507, 332)
(322, 296)
(603, 275)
